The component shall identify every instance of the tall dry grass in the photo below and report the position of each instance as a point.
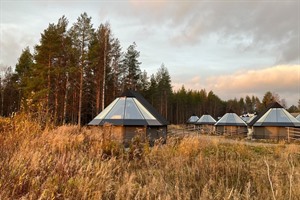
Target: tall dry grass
(68, 163)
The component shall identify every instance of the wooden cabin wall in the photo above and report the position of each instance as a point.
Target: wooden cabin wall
(269, 132)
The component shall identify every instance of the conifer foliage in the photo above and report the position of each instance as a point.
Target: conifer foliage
(76, 71)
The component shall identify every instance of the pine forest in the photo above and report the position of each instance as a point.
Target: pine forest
(76, 71)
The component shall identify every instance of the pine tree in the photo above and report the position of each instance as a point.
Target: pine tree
(152, 92)
(9, 93)
(99, 63)
(81, 34)
(131, 68)
(267, 99)
(50, 73)
(165, 89)
(114, 76)
(43, 77)
(23, 69)
(249, 105)
(143, 82)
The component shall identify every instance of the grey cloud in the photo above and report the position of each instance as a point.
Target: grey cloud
(290, 50)
(9, 47)
(267, 25)
(270, 27)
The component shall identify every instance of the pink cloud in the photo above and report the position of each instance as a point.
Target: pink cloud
(279, 78)
(283, 80)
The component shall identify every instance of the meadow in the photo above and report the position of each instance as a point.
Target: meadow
(38, 162)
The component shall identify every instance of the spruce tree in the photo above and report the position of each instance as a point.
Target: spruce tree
(23, 70)
(131, 68)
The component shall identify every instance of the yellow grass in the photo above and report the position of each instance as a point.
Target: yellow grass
(68, 163)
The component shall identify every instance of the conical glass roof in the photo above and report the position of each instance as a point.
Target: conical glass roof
(192, 119)
(206, 119)
(126, 111)
(277, 117)
(230, 119)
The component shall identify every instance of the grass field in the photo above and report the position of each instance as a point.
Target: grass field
(70, 163)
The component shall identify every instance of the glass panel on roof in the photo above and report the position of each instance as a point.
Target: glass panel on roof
(282, 117)
(201, 119)
(291, 118)
(210, 119)
(106, 110)
(277, 115)
(206, 118)
(230, 118)
(117, 112)
(238, 119)
(272, 116)
(144, 111)
(131, 110)
(262, 119)
(193, 119)
(224, 118)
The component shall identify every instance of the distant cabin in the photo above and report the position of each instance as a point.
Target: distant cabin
(247, 117)
(272, 123)
(231, 124)
(131, 115)
(206, 123)
(192, 119)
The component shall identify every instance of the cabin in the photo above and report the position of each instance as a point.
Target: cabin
(206, 123)
(273, 123)
(193, 119)
(131, 115)
(231, 124)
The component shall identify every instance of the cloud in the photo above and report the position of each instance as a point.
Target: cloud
(191, 37)
(259, 25)
(283, 80)
(12, 44)
(281, 77)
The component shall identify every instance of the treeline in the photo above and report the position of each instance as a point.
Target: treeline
(75, 72)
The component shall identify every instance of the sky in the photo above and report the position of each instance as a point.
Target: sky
(234, 48)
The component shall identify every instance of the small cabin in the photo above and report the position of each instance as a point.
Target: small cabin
(231, 124)
(206, 123)
(131, 115)
(273, 123)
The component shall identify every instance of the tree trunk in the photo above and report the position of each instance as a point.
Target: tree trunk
(48, 86)
(80, 96)
(56, 103)
(65, 100)
(97, 96)
(74, 107)
(104, 70)
(166, 107)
